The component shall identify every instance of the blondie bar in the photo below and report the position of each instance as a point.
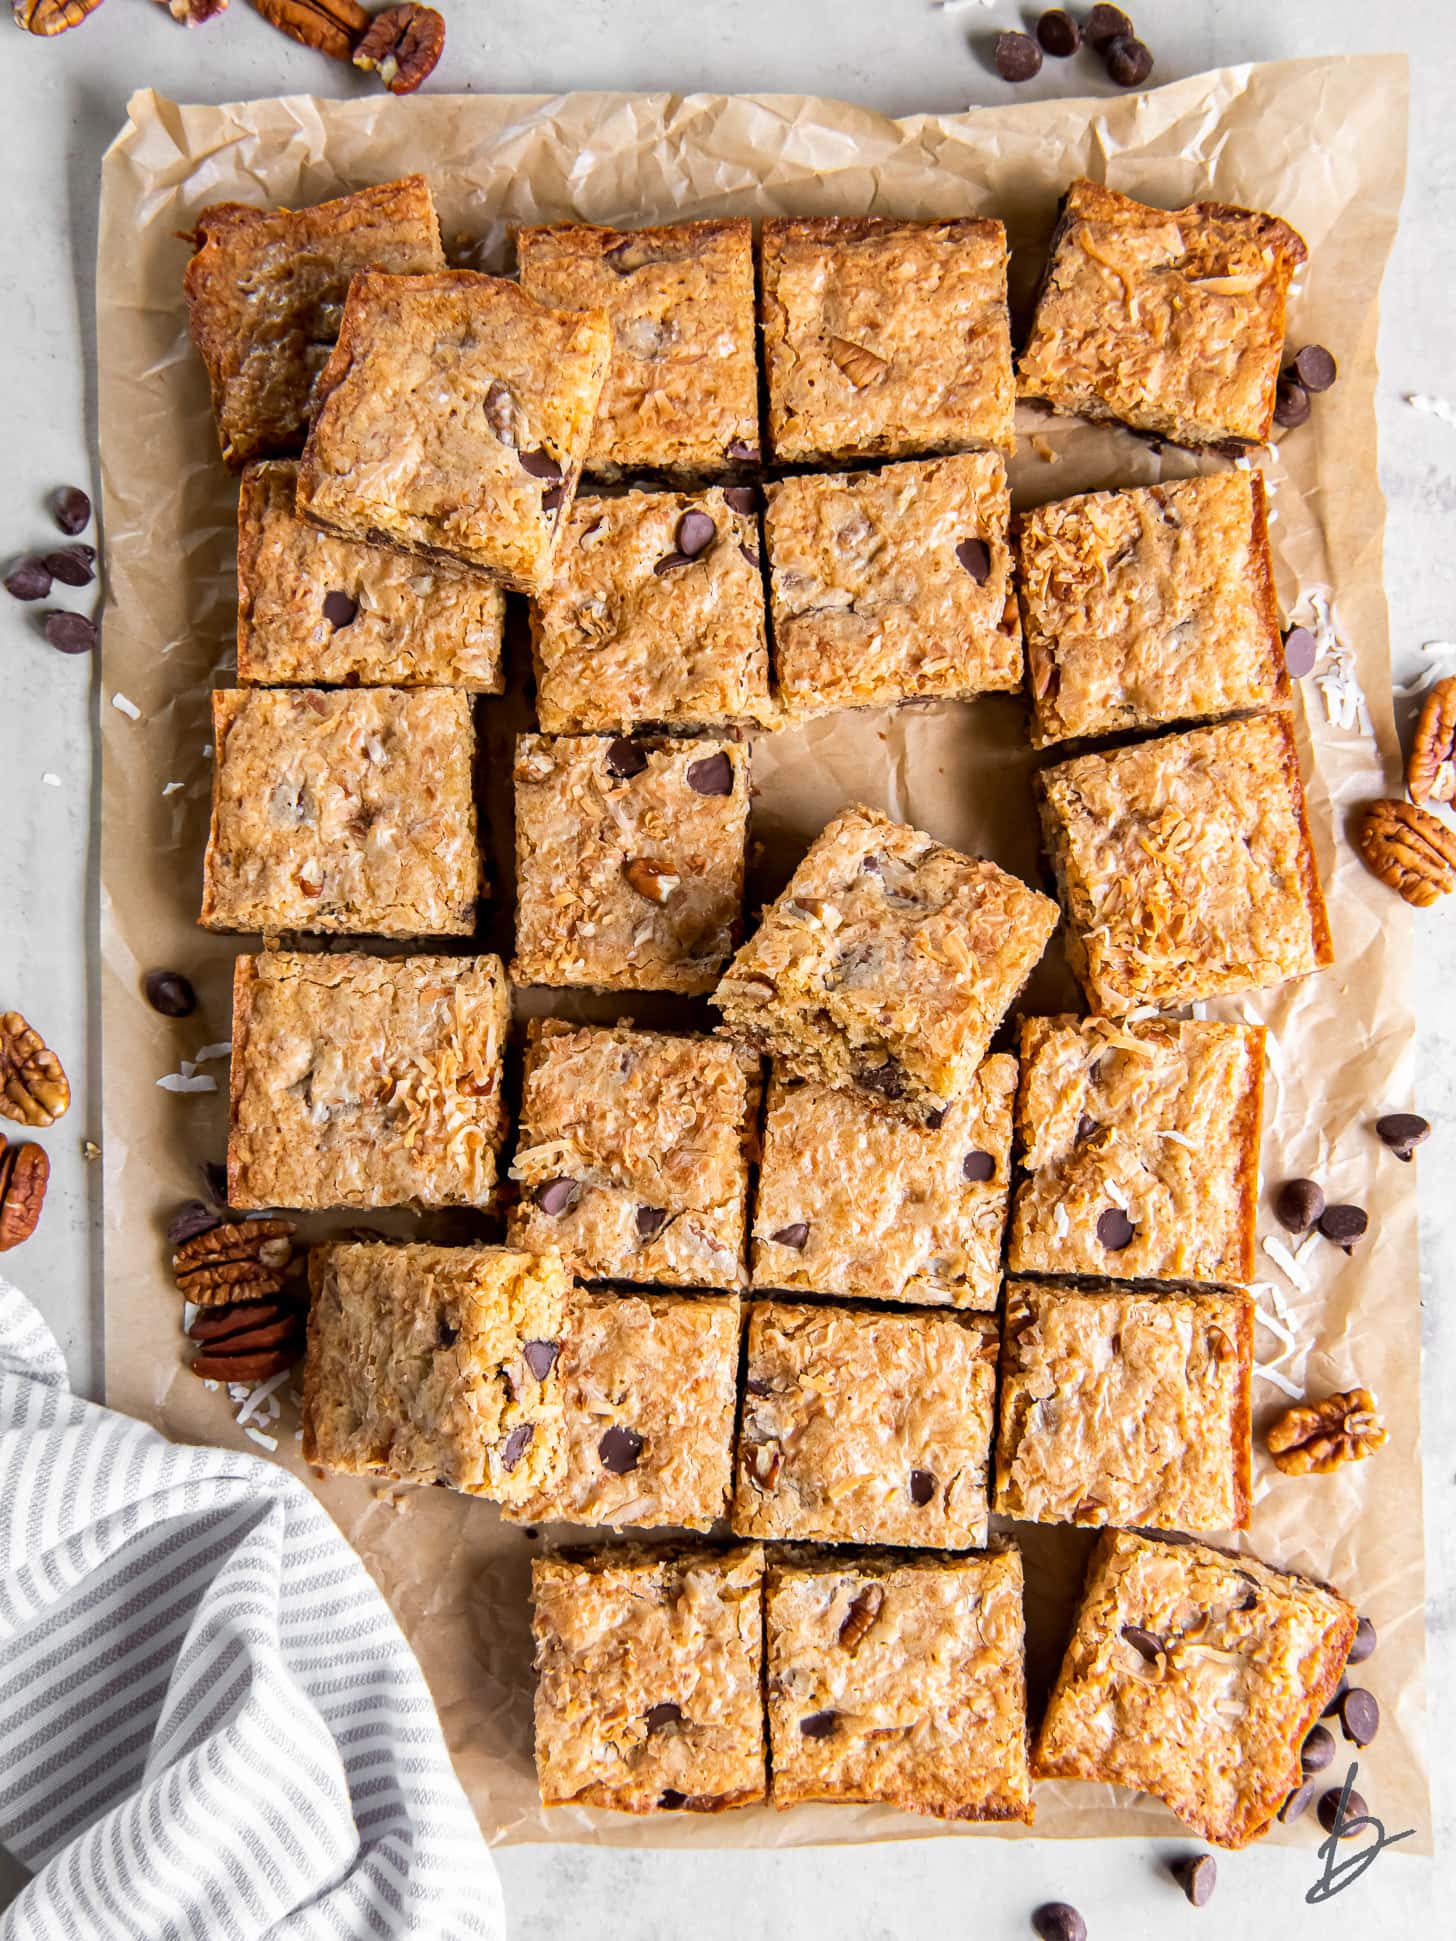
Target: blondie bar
(655, 616)
(885, 339)
(634, 1153)
(453, 418)
(436, 1364)
(1185, 866)
(1149, 607)
(1119, 1405)
(886, 964)
(1140, 1147)
(681, 395)
(265, 291)
(629, 861)
(864, 1427)
(649, 1385)
(649, 1670)
(1171, 321)
(892, 585)
(899, 1682)
(855, 1202)
(340, 811)
(366, 1081)
(317, 611)
(1194, 1676)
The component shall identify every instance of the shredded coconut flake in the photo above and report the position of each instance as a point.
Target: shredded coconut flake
(51, 781)
(256, 1397)
(171, 788)
(1441, 408)
(1286, 1263)
(180, 1082)
(1276, 1327)
(127, 707)
(1142, 1011)
(210, 1052)
(1115, 1193)
(212, 1387)
(262, 1438)
(1281, 1382)
(1061, 1225)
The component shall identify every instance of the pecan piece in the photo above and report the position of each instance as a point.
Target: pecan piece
(765, 1460)
(1316, 1437)
(1409, 849)
(1430, 773)
(328, 26)
(859, 365)
(51, 16)
(246, 1340)
(650, 879)
(861, 1615)
(243, 1260)
(24, 1171)
(402, 46)
(33, 1087)
(192, 13)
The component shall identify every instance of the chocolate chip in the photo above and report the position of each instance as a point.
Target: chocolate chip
(936, 1119)
(1365, 1642)
(1297, 1802)
(552, 498)
(1298, 1204)
(887, 1079)
(695, 532)
(819, 1725)
(1315, 369)
(190, 1220)
(1402, 1132)
(1336, 1699)
(922, 1487)
(1318, 1749)
(1129, 62)
(1300, 652)
(28, 579)
(1114, 1229)
(660, 1715)
(650, 1221)
(1360, 1715)
(1291, 404)
(756, 1385)
(557, 1195)
(672, 1800)
(978, 1167)
(541, 465)
(1344, 1225)
(743, 451)
(1350, 1820)
(975, 556)
(517, 1443)
(1105, 24)
(340, 610)
(71, 565)
(670, 562)
(751, 554)
(71, 633)
(1197, 1877)
(795, 1236)
(215, 1179)
(619, 1450)
(626, 758)
(711, 776)
(447, 1334)
(742, 498)
(170, 993)
(540, 1357)
(1017, 56)
(1086, 1126)
(1147, 1643)
(1059, 1921)
(72, 509)
(1058, 33)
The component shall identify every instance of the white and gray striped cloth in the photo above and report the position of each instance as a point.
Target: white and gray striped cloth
(210, 1725)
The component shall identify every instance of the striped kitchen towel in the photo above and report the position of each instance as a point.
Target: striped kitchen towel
(210, 1724)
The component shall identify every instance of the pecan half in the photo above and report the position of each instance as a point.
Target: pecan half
(33, 1087)
(328, 26)
(1409, 849)
(24, 1171)
(1430, 774)
(859, 365)
(1316, 1437)
(245, 1260)
(51, 16)
(650, 879)
(402, 46)
(246, 1340)
(192, 13)
(861, 1615)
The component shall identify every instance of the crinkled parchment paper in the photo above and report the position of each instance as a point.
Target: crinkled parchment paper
(1323, 143)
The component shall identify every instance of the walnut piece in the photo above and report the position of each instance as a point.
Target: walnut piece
(1430, 773)
(1409, 849)
(330, 27)
(402, 46)
(24, 1171)
(51, 16)
(650, 879)
(246, 1260)
(1316, 1437)
(33, 1088)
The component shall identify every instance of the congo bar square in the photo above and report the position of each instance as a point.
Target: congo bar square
(1194, 1676)
(342, 811)
(681, 395)
(885, 339)
(265, 292)
(1171, 321)
(436, 1364)
(318, 611)
(649, 1678)
(899, 1681)
(1185, 866)
(453, 419)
